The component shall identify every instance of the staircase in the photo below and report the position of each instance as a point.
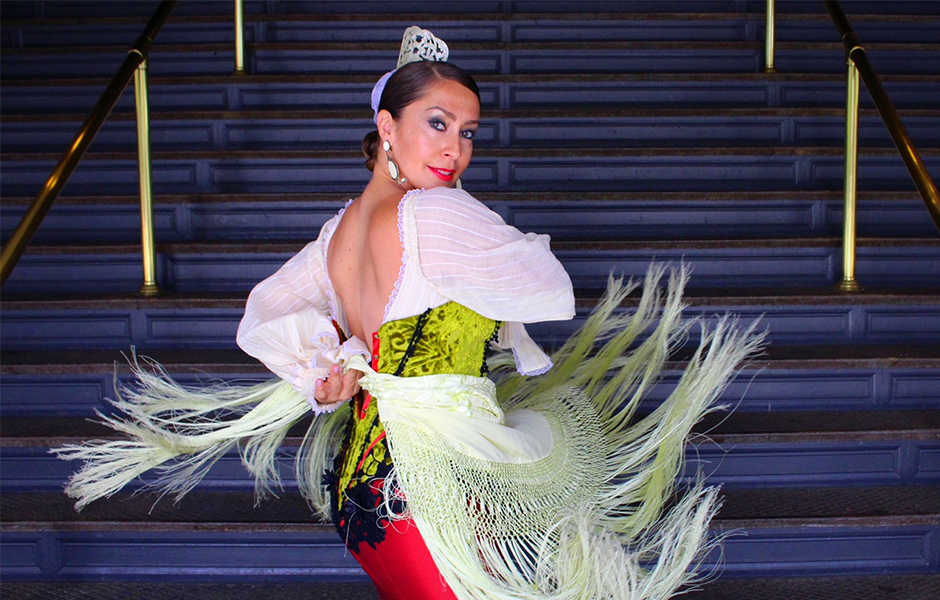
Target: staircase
(630, 131)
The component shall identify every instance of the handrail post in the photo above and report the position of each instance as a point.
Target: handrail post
(30, 222)
(849, 284)
(770, 35)
(239, 37)
(150, 287)
(915, 165)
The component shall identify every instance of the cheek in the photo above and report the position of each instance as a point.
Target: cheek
(421, 146)
(467, 152)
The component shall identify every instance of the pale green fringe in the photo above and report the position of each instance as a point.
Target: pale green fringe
(183, 431)
(616, 543)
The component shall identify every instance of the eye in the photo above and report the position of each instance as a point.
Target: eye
(437, 124)
(468, 134)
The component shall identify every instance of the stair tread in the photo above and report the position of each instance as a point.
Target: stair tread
(492, 197)
(723, 428)
(430, 19)
(844, 587)
(474, 46)
(843, 506)
(219, 361)
(911, 586)
(548, 152)
(529, 114)
(563, 245)
(253, 79)
(726, 296)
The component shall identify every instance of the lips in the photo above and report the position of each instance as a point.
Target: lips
(443, 174)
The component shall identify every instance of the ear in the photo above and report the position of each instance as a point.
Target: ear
(386, 126)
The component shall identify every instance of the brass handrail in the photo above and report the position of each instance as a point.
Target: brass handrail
(855, 53)
(850, 196)
(239, 37)
(148, 243)
(769, 37)
(63, 171)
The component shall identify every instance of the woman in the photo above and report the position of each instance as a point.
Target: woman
(360, 274)
(439, 489)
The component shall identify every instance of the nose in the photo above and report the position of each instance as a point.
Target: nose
(451, 149)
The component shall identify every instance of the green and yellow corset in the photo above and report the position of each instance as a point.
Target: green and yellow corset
(448, 339)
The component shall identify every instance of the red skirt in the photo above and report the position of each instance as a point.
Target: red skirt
(401, 566)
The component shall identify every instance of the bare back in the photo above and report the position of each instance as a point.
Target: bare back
(364, 260)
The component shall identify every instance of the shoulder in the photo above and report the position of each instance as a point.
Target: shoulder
(448, 206)
(329, 227)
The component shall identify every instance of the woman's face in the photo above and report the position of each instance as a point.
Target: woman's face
(432, 141)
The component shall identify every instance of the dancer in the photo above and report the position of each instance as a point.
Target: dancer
(443, 482)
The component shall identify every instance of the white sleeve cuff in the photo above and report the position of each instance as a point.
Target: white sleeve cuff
(328, 352)
(530, 359)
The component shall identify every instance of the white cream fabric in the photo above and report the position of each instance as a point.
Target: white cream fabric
(463, 411)
(454, 248)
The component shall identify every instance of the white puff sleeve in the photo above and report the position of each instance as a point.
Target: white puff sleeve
(470, 255)
(288, 322)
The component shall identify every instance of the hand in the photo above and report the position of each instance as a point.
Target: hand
(337, 386)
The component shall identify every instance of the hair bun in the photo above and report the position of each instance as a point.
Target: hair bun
(370, 148)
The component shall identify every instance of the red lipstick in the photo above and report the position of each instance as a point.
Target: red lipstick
(444, 174)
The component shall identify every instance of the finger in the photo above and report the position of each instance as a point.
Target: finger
(334, 390)
(324, 390)
(336, 385)
(321, 392)
(350, 385)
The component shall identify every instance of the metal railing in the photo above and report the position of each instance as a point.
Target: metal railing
(133, 67)
(147, 237)
(769, 37)
(859, 66)
(239, 37)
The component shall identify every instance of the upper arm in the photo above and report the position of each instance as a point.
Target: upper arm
(286, 312)
(473, 257)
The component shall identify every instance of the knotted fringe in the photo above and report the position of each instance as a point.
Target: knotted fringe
(587, 521)
(181, 432)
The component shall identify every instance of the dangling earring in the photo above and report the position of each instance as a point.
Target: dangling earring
(393, 169)
(459, 186)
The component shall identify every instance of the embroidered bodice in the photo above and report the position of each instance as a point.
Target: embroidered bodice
(448, 339)
(453, 249)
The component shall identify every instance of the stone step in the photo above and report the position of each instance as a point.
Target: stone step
(563, 215)
(842, 448)
(470, 27)
(846, 587)
(27, 510)
(237, 266)
(691, 170)
(722, 428)
(532, 92)
(576, 128)
(52, 9)
(75, 383)
(793, 316)
(477, 57)
(304, 550)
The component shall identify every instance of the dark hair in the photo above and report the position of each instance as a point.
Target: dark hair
(408, 84)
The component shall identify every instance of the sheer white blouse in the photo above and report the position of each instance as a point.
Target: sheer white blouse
(453, 248)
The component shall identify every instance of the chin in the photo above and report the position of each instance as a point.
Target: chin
(436, 184)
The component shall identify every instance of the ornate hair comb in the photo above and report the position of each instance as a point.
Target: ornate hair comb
(416, 45)
(420, 44)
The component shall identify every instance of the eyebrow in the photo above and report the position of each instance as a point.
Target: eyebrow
(451, 115)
